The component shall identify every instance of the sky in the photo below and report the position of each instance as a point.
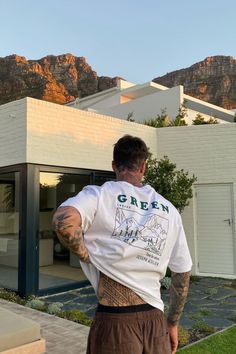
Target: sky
(134, 39)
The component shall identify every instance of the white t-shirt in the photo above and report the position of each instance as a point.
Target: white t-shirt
(132, 234)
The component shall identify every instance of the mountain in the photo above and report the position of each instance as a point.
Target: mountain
(63, 78)
(212, 80)
(59, 79)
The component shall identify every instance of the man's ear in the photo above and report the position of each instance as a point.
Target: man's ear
(114, 166)
(143, 167)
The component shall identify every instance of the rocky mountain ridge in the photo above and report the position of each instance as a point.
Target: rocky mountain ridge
(58, 79)
(63, 78)
(212, 80)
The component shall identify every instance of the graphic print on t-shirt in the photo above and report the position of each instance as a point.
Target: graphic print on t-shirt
(147, 232)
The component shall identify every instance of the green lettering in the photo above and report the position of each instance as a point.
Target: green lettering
(133, 201)
(165, 208)
(154, 205)
(144, 205)
(122, 198)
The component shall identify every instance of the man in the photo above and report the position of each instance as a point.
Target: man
(131, 234)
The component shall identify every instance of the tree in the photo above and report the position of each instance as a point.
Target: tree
(175, 185)
(160, 121)
(130, 117)
(180, 118)
(163, 120)
(199, 120)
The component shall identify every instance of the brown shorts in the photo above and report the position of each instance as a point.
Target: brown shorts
(142, 330)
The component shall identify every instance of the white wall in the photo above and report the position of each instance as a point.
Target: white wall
(63, 136)
(13, 133)
(191, 115)
(149, 106)
(208, 151)
(208, 109)
(100, 100)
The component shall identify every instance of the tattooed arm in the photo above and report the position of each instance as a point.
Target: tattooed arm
(67, 225)
(178, 294)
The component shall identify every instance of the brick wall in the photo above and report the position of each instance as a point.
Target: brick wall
(64, 136)
(13, 133)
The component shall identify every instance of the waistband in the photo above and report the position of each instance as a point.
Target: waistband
(124, 309)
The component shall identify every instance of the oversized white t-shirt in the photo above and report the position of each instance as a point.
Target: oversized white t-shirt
(132, 234)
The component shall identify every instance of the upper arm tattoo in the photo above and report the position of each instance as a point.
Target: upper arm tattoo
(67, 225)
(178, 294)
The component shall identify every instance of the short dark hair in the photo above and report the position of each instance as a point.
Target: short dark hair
(129, 152)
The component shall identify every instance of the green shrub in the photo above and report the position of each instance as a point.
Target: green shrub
(166, 282)
(173, 184)
(206, 312)
(203, 327)
(183, 336)
(11, 296)
(55, 308)
(36, 304)
(211, 291)
(199, 120)
(76, 316)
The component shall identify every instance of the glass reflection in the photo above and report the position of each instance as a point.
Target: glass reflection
(9, 230)
(57, 265)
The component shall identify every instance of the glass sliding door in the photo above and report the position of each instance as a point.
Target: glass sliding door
(57, 266)
(9, 229)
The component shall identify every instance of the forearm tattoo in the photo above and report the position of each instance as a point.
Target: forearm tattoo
(178, 294)
(112, 293)
(69, 232)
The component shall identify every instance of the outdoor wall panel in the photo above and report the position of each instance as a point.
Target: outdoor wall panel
(13, 133)
(64, 136)
(208, 151)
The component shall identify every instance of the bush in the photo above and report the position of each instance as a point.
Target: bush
(36, 304)
(160, 121)
(174, 185)
(11, 296)
(183, 336)
(76, 316)
(203, 327)
(211, 291)
(163, 120)
(199, 120)
(55, 308)
(166, 282)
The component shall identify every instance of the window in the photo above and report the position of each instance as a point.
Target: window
(9, 229)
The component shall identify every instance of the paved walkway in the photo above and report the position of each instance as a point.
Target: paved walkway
(62, 336)
(211, 300)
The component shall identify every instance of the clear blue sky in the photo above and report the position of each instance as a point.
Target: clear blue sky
(135, 39)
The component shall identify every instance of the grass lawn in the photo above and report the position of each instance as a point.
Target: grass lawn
(222, 343)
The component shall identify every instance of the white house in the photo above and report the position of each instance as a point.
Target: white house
(49, 152)
(147, 100)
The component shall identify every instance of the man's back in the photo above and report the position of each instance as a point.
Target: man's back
(131, 235)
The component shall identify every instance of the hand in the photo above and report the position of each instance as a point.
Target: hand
(173, 333)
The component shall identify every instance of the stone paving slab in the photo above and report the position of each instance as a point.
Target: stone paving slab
(211, 300)
(62, 336)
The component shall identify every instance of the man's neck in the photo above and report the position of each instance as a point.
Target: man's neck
(128, 177)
